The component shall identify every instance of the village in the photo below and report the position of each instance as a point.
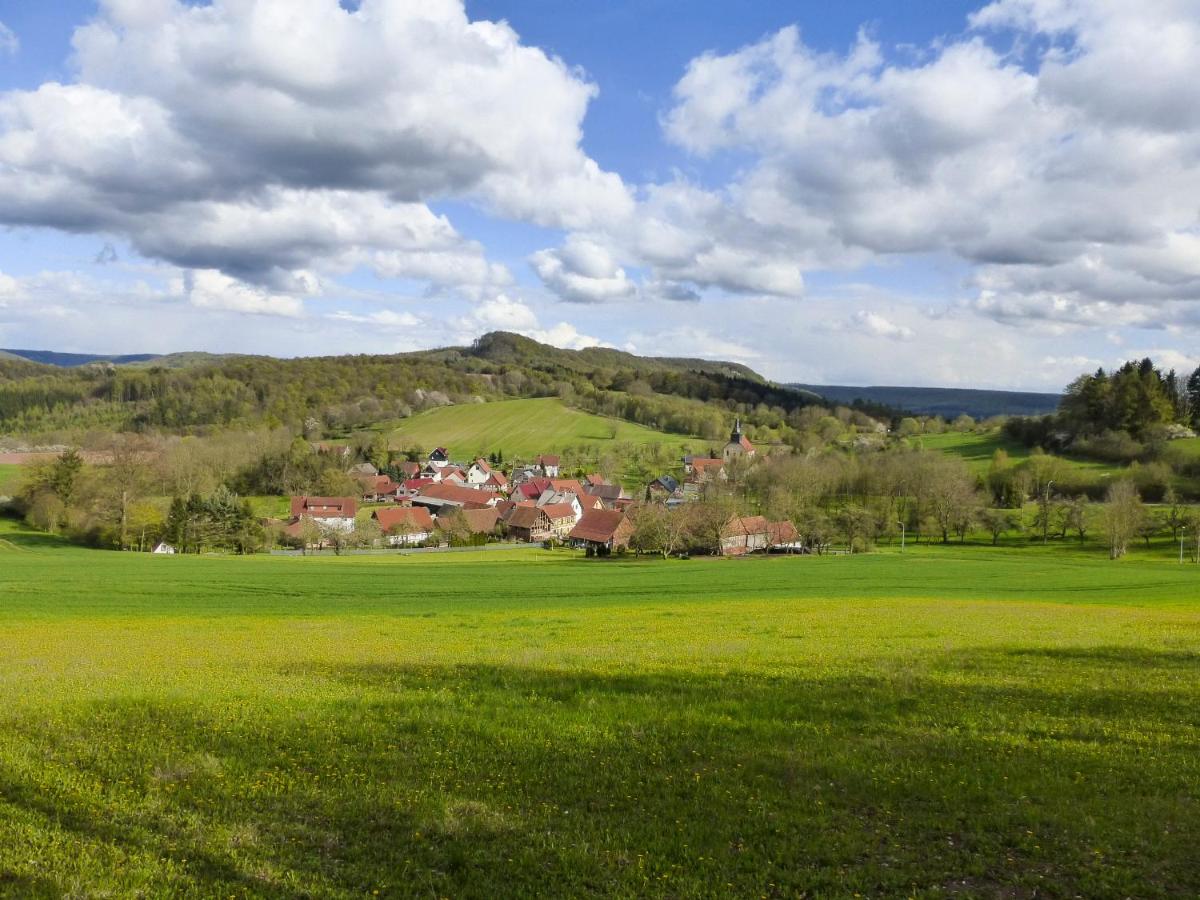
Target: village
(440, 502)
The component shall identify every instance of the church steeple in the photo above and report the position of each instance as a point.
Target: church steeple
(736, 437)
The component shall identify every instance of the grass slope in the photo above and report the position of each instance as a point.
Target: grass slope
(977, 448)
(946, 723)
(523, 428)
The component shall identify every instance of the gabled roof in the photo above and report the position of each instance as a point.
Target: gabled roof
(479, 521)
(782, 533)
(416, 518)
(667, 483)
(745, 525)
(482, 464)
(547, 459)
(598, 525)
(568, 484)
(559, 511)
(325, 507)
(525, 516)
(700, 462)
(609, 492)
(498, 479)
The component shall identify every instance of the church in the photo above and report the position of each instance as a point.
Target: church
(739, 444)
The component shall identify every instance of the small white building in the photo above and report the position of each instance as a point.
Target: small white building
(164, 549)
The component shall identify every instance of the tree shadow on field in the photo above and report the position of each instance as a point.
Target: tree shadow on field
(30, 887)
(1115, 657)
(22, 537)
(491, 780)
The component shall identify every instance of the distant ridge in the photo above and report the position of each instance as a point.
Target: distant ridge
(946, 402)
(73, 360)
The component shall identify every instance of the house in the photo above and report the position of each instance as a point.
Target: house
(363, 469)
(744, 534)
(379, 488)
(662, 487)
(453, 475)
(439, 457)
(600, 532)
(528, 524)
(404, 525)
(496, 483)
(414, 486)
(739, 445)
(409, 469)
(476, 521)
(329, 513)
(163, 548)
(594, 480)
(479, 473)
(563, 517)
(437, 497)
(548, 463)
(783, 535)
(607, 494)
(704, 468)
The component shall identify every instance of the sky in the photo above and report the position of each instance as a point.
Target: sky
(978, 194)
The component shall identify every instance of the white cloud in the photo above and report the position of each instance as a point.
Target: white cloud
(210, 289)
(1071, 180)
(9, 44)
(582, 271)
(878, 326)
(263, 137)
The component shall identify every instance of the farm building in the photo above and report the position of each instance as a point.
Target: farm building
(404, 525)
(602, 531)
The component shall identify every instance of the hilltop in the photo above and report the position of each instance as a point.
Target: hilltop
(945, 402)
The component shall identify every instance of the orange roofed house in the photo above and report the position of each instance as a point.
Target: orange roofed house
(328, 512)
(404, 525)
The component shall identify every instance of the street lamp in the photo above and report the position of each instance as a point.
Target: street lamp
(902, 530)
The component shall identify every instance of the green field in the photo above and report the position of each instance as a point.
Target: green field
(950, 722)
(977, 448)
(9, 477)
(524, 428)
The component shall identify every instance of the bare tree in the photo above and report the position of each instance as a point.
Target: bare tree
(1123, 516)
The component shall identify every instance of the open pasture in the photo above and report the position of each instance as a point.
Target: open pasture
(950, 722)
(525, 428)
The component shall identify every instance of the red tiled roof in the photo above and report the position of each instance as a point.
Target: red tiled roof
(325, 507)
(703, 463)
(417, 518)
(568, 484)
(548, 459)
(559, 511)
(745, 525)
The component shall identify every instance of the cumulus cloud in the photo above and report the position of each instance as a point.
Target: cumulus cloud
(260, 137)
(582, 271)
(1065, 174)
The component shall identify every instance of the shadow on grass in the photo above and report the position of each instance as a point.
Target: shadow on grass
(22, 537)
(488, 780)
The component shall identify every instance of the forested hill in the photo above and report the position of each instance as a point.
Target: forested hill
(70, 360)
(946, 402)
(197, 391)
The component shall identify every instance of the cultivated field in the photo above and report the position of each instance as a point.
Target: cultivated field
(524, 428)
(949, 722)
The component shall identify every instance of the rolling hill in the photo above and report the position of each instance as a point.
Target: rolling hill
(72, 360)
(945, 402)
(525, 428)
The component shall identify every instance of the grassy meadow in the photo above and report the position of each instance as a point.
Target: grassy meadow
(948, 722)
(10, 475)
(525, 428)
